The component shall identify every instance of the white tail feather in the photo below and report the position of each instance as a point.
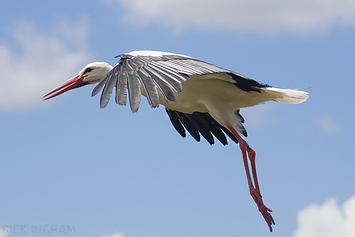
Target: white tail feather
(289, 96)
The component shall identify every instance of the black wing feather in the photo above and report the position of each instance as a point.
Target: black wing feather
(213, 126)
(174, 118)
(189, 125)
(199, 123)
(202, 128)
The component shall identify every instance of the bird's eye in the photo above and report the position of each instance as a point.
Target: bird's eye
(88, 70)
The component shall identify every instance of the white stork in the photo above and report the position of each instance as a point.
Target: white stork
(199, 97)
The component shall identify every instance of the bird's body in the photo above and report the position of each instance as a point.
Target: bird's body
(201, 97)
(216, 94)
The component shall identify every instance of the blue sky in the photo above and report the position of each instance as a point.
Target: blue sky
(108, 172)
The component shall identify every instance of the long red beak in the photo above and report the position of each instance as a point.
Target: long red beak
(74, 82)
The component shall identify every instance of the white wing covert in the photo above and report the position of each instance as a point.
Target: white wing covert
(164, 73)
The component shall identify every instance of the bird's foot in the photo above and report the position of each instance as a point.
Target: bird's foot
(262, 208)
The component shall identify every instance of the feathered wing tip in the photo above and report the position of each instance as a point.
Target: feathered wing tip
(240, 121)
(200, 124)
(289, 96)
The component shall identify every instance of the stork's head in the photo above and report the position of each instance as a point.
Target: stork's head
(90, 74)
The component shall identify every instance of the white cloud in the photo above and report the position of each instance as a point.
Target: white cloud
(298, 16)
(327, 220)
(35, 63)
(328, 124)
(116, 234)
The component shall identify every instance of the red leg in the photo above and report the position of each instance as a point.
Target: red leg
(254, 191)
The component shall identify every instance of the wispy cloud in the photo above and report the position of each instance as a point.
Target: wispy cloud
(256, 16)
(116, 234)
(35, 62)
(259, 116)
(327, 220)
(328, 125)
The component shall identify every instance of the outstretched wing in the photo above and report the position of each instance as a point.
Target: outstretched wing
(158, 71)
(154, 71)
(201, 124)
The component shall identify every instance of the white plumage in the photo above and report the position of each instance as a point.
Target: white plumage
(200, 97)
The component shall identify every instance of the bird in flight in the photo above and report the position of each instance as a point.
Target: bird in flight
(200, 97)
